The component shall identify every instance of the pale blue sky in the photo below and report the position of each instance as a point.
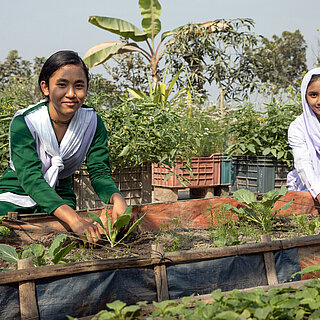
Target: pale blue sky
(41, 27)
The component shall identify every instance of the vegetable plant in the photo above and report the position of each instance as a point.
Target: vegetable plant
(255, 133)
(278, 303)
(4, 231)
(262, 213)
(113, 229)
(308, 228)
(225, 229)
(56, 252)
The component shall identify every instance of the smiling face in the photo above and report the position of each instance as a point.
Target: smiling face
(66, 91)
(313, 97)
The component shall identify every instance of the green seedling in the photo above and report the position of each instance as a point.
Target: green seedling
(56, 252)
(308, 228)
(262, 213)
(4, 231)
(113, 230)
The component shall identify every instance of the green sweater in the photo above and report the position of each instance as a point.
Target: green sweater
(28, 178)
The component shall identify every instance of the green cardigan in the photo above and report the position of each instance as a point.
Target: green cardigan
(28, 178)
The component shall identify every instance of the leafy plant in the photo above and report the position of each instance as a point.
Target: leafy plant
(226, 230)
(278, 303)
(162, 92)
(307, 270)
(262, 213)
(4, 231)
(255, 133)
(172, 229)
(113, 229)
(142, 131)
(310, 228)
(56, 252)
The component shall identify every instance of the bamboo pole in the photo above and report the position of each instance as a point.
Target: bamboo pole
(27, 294)
(160, 273)
(182, 256)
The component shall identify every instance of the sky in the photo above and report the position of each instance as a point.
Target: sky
(41, 27)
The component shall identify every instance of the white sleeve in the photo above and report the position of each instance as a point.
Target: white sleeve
(302, 160)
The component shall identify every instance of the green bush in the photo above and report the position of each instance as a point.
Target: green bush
(143, 131)
(255, 133)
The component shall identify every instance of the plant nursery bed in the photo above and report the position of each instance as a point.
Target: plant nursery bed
(170, 256)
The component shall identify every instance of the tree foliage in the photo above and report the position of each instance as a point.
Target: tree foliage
(216, 56)
(281, 61)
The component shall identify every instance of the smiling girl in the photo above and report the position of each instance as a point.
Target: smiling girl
(304, 139)
(50, 140)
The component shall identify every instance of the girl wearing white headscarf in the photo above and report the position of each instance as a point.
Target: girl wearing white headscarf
(304, 139)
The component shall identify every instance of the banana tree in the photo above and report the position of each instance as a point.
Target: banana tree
(151, 26)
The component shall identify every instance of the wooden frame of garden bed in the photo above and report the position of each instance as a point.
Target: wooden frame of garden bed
(158, 261)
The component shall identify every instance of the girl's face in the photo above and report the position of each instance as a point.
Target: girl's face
(67, 91)
(313, 97)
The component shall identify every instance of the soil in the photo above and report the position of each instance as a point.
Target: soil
(173, 238)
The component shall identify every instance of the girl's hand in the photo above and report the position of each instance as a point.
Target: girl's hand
(77, 224)
(119, 205)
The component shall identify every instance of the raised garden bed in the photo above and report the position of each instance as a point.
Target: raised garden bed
(83, 288)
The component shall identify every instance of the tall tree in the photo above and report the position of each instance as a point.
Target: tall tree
(281, 61)
(216, 54)
(132, 37)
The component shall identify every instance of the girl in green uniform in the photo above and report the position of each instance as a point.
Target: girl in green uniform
(50, 140)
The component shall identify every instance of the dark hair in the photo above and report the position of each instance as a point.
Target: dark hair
(58, 60)
(314, 78)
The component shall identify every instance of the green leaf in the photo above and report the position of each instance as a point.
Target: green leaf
(227, 315)
(245, 196)
(173, 82)
(315, 315)
(120, 27)
(116, 305)
(262, 313)
(228, 206)
(8, 253)
(37, 253)
(286, 205)
(280, 154)
(137, 94)
(150, 11)
(266, 151)
(251, 148)
(56, 245)
(171, 32)
(95, 218)
(288, 303)
(131, 228)
(130, 309)
(63, 252)
(125, 151)
(123, 220)
(308, 269)
(274, 152)
(100, 53)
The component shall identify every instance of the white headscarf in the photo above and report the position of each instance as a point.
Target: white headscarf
(311, 122)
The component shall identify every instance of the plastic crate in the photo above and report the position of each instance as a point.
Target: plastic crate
(206, 173)
(257, 174)
(134, 184)
(225, 174)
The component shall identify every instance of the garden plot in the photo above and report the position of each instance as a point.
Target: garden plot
(185, 260)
